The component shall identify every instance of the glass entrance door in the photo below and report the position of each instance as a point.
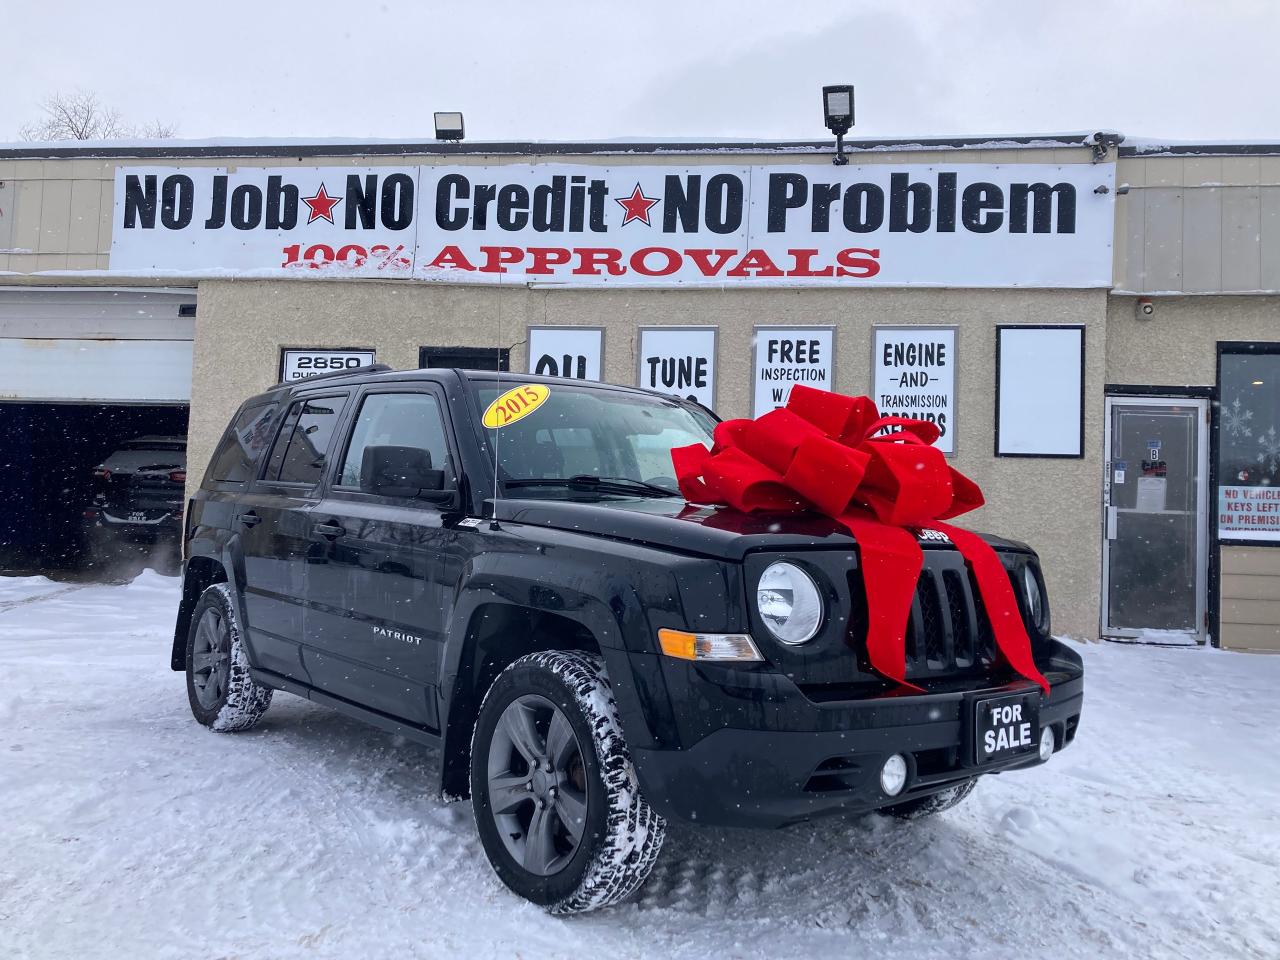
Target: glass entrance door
(1155, 494)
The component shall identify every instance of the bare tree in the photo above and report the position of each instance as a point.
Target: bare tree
(80, 115)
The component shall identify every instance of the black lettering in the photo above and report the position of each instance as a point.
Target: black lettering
(246, 207)
(597, 191)
(485, 193)
(681, 202)
(513, 207)
(397, 201)
(282, 204)
(1042, 207)
(724, 203)
(824, 194)
(177, 198)
(863, 208)
(140, 201)
(903, 194)
(946, 203)
(218, 205)
(787, 191)
(548, 206)
(982, 207)
(362, 201)
(451, 187)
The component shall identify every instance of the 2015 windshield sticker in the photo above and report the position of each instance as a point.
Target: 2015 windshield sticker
(515, 404)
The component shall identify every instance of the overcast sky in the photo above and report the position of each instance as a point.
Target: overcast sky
(596, 70)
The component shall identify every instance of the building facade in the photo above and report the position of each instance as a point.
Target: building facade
(1095, 329)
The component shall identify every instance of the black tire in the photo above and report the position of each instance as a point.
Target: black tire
(619, 835)
(933, 804)
(223, 696)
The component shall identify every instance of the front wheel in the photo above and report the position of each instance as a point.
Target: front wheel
(553, 786)
(223, 695)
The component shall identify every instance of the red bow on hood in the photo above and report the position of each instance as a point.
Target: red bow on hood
(828, 452)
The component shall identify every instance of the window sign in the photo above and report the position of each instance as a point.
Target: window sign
(576, 352)
(303, 363)
(1040, 391)
(680, 361)
(1249, 445)
(786, 356)
(915, 376)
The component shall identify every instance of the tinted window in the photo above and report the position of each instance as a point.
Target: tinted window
(397, 420)
(300, 450)
(237, 456)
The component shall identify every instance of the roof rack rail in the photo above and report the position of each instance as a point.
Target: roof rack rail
(348, 372)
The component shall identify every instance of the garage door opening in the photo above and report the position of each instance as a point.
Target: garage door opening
(52, 496)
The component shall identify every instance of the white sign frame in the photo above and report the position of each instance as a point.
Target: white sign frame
(291, 356)
(1028, 410)
(765, 331)
(567, 334)
(675, 332)
(947, 443)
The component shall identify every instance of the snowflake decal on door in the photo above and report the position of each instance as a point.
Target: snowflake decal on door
(1236, 421)
(1270, 455)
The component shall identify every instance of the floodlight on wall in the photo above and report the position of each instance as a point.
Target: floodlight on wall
(837, 111)
(449, 126)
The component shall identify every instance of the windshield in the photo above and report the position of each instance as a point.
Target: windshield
(583, 432)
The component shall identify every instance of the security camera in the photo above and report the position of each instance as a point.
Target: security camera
(1145, 309)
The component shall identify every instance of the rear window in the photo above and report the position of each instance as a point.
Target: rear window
(236, 459)
(303, 444)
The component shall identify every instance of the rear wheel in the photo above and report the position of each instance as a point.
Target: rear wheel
(223, 696)
(554, 790)
(933, 804)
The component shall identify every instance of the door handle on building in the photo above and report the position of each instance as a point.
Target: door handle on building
(329, 530)
(1111, 522)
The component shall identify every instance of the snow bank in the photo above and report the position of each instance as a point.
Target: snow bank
(126, 830)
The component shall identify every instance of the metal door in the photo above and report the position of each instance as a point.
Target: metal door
(1155, 498)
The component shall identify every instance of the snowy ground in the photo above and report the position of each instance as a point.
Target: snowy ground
(126, 830)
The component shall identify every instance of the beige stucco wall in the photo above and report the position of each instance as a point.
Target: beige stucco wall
(1053, 504)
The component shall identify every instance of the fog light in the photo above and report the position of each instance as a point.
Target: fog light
(893, 775)
(1047, 743)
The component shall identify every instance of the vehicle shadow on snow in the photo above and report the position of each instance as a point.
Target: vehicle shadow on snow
(832, 874)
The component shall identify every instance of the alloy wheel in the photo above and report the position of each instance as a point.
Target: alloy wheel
(211, 660)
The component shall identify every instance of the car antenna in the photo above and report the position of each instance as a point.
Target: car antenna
(497, 431)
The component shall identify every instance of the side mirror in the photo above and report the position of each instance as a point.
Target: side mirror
(405, 472)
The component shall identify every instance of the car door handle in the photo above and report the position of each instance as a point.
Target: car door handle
(250, 519)
(330, 530)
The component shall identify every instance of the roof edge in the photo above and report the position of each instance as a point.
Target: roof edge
(344, 148)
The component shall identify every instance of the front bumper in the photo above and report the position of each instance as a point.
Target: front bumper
(796, 759)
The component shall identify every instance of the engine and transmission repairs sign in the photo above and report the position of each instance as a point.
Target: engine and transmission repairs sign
(958, 225)
(915, 376)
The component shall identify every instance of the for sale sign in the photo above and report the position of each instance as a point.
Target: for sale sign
(915, 376)
(300, 364)
(959, 225)
(784, 357)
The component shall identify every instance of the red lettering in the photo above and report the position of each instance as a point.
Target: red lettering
(452, 258)
(674, 261)
(852, 265)
(755, 263)
(544, 258)
(498, 258)
(804, 265)
(592, 258)
(702, 260)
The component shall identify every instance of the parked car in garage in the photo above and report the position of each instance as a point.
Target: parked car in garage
(137, 503)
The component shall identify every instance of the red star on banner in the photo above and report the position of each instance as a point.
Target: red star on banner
(637, 206)
(321, 205)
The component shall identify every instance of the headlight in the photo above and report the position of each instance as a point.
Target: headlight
(789, 603)
(1036, 607)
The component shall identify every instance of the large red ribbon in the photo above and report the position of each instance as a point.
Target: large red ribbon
(879, 477)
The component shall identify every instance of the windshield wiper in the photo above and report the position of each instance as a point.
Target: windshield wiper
(594, 484)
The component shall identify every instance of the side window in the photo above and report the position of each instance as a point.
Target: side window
(298, 455)
(243, 445)
(397, 420)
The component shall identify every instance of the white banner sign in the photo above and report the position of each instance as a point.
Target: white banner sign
(575, 352)
(784, 357)
(302, 364)
(1248, 513)
(956, 225)
(915, 376)
(680, 361)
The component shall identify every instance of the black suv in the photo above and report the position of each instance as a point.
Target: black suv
(503, 566)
